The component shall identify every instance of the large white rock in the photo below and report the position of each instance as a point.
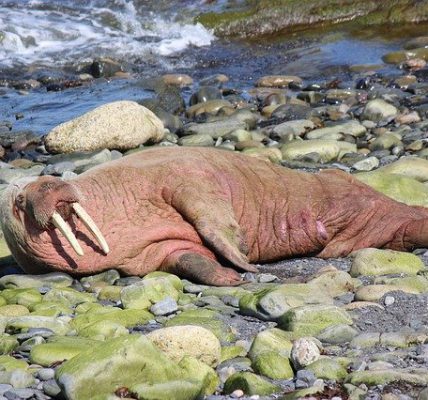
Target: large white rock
(119, 125)
(188, 340)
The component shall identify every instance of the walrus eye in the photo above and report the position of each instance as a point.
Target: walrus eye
(20, 201)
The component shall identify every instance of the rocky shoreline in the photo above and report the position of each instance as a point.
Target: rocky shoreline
(353, 328)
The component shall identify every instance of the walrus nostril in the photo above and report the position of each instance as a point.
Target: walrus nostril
(65, 229)
(92, 227)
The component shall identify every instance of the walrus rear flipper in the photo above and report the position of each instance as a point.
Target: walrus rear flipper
(214, 220)
(411, 235)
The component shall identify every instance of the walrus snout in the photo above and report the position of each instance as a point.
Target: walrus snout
(50, 201)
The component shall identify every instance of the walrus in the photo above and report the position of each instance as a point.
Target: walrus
(203, 214)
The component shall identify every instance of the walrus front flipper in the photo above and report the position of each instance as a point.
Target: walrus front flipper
(213, 218)
(199, 268)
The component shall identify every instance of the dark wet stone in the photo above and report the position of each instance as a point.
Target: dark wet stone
(8, 139)
(59, 168)
(205, 93)
(306, 376)
(170, 99)
(288, 112)
(103, 67)
(421, 73)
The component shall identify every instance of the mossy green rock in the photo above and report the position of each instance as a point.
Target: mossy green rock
(310, 320)
(411, 167)
(303, 393)
(102, 330)
(7, 344)
(328, 150)
(59, 325)
(337, 334)
(13, 310)
(208, 319)
(51, 309)
(417, 284)
(401, 188)
(333, 283)
(68, 296)
(383, 377)
(109, 277)
(149, 291)
(60, 348)
(126, 318)
(273, 365)
(18, 378)
(270, 304)
(110, 292)
(382, 262)
(9, 363)
(200, 372)
(127, 361)
(188, 340)
(171, 390)
(24, 297)
(327, 368)
(250, 384)
(54, 279)
(229, 352)
(273, 339)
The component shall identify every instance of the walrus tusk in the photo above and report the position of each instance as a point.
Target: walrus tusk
(65, 229)
(92, 227)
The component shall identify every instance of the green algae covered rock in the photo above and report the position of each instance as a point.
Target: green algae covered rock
(126, 318)
(188, 340)
(18, 378)
(273, 365)
(401, 188)
(59, 348)
(270, 304)
(310, 320)
(328, 368)
(9, 363)
(21, 281)
(383, 262)
(128, 361)
(328, 150)
(273, 339)
(411, 167)
(333, 283)
(58, 325)
(24, 297)
(68, 296)
(250, 384)
(177, 390)
(109, 277)
(200, 372)
(102, 330)
(7, 344)
(208, 319)
(233, 351)
(51, 309)
(13, 310)
(383, 377)
(143, 294)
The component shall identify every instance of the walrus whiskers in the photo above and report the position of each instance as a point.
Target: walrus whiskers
(65, 229)
(91, 226)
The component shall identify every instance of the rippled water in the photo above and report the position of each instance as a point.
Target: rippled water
(63, 31)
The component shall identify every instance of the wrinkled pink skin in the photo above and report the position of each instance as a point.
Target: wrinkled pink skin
(192, 211)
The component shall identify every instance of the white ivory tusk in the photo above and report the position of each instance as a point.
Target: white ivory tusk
(92, 227)
(65, 229)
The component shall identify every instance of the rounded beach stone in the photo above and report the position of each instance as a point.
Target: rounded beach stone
(179, 341)
(278, 81)
(379, 110)
(273, 365)
(304, 352)
(250, 384)
(381, 262)
(119, 125)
